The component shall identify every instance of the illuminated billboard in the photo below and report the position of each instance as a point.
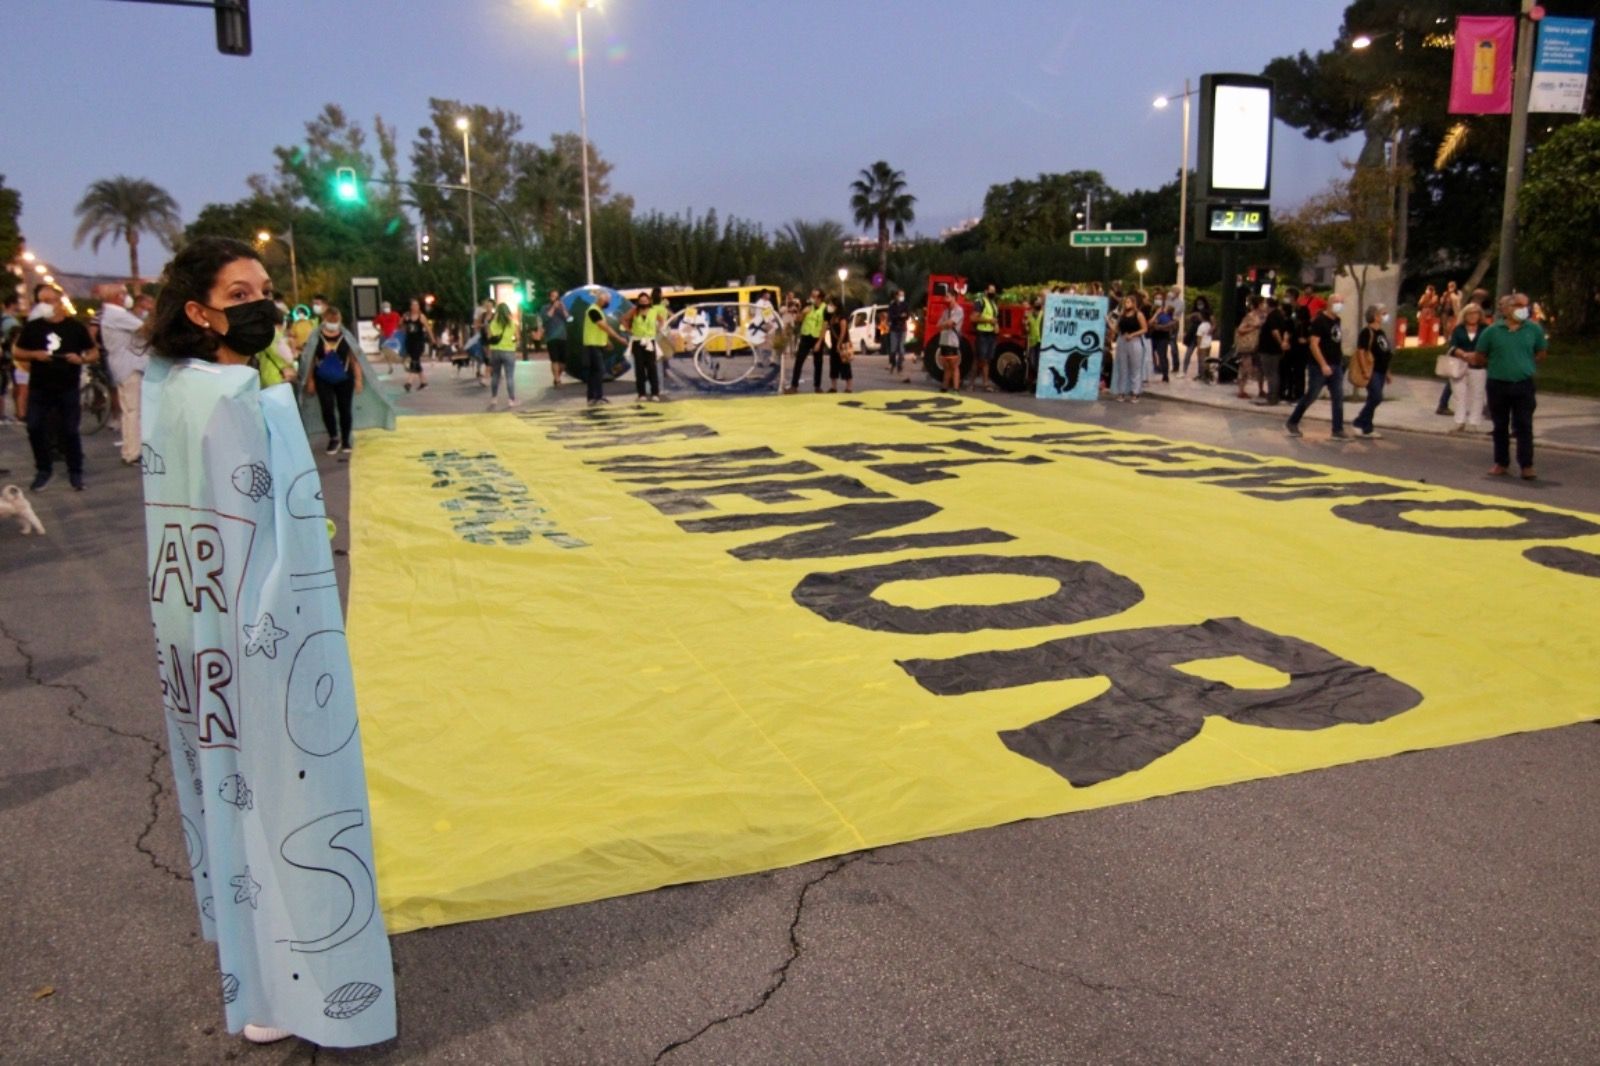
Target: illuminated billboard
(1235, 137)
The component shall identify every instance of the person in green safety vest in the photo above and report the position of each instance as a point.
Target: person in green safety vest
(502, 333)
(597, 336)
(811, 324)
(643, 324)
(986, 324)
(1035, 330)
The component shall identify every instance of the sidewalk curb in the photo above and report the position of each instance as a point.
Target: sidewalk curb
(1578, 449)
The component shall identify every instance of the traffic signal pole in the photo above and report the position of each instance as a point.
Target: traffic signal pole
(511, 223)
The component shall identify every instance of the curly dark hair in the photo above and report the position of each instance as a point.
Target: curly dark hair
(190, 276)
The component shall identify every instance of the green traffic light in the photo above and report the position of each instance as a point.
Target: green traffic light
(345, 186)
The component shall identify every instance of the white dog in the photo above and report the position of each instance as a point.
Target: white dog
(13, 504)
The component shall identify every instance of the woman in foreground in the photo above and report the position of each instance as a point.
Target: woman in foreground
(255, 672)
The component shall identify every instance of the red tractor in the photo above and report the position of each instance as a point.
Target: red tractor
(1011, 370)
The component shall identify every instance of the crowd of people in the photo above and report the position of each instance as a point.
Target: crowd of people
(1287, 350)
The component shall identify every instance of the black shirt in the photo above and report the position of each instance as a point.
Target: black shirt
(1277, 322)
(1326, 329)
(898, 314)
(1377, 342)
(60, 339)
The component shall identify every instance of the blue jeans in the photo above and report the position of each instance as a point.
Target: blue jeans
(502, 362)
(897, 349)
(1363, 420)
(1335, 383)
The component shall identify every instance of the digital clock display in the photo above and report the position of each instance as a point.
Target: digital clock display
(1238, 220)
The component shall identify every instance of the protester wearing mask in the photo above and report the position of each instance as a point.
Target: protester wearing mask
(1512, 349)
(811, 326)
(335, 378)
(986, 331)
(1327, 368)
(1374, 344)
(899, 318)
(1471, 385)
(54, 347)
(126, 357)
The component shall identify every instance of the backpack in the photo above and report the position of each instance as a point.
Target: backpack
(332, 366)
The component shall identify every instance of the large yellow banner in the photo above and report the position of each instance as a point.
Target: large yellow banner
(598, 653)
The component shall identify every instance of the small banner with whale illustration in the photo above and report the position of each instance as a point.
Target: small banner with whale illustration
(1071, 347)
(260, 706)
(644, 646)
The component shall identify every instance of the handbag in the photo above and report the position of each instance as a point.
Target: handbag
(1449, 366)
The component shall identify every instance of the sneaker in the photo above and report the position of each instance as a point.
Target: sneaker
(510, 404)
(39, 481)
(491, 405)
(332, 448)
(76, 481)
(345, 449)
(422, 386)
(1371, 434)
(1340, 435)
(263, 1034)
(1134, 398)
(656, 398)
(1442, 410)
(1293, 429)
(408, 386)
(602, 400)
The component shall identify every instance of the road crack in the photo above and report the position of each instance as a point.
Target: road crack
(778, 976)
(158, 752)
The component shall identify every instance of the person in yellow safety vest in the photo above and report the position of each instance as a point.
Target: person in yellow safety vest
(986, 324)
(502, 330)
(810, 335)
(1035, 330)
(598, 333)
(643, 324)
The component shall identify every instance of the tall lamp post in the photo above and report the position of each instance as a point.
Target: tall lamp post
(287, 238)
(1141, 265)
(465, 126)
(1183, 184)
(579, 7)
(844, 272)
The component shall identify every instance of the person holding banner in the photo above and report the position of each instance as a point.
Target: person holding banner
(257, 691)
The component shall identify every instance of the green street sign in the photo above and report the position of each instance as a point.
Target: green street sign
(1109, 238)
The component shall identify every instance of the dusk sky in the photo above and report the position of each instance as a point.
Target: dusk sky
(760, 109)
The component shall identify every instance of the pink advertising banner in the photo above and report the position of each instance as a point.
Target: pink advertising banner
(1481, 83)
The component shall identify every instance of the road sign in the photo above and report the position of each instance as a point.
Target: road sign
(1109, 238)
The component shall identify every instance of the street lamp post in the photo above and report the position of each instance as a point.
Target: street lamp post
(844, 272)
(1183, 185)
(579, 7)
(1141, 265)
(287, 237)
(465, 127)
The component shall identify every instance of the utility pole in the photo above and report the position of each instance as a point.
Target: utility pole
(1505, 276)
(1183, 195)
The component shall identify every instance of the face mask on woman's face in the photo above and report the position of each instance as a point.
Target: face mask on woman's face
(1338, 309)
(317, 309)
(251, 326)
(1386, 318)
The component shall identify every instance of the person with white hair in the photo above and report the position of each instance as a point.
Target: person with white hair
(1512, 349)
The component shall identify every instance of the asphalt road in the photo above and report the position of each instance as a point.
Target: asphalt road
(1433, 907)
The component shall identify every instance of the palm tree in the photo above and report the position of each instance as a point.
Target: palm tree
(121, 208)
(879, 196)
(808, 253)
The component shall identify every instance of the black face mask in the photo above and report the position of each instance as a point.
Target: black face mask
(251, 326)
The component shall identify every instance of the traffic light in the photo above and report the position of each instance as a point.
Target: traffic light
(233, 27)
(345, 185)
